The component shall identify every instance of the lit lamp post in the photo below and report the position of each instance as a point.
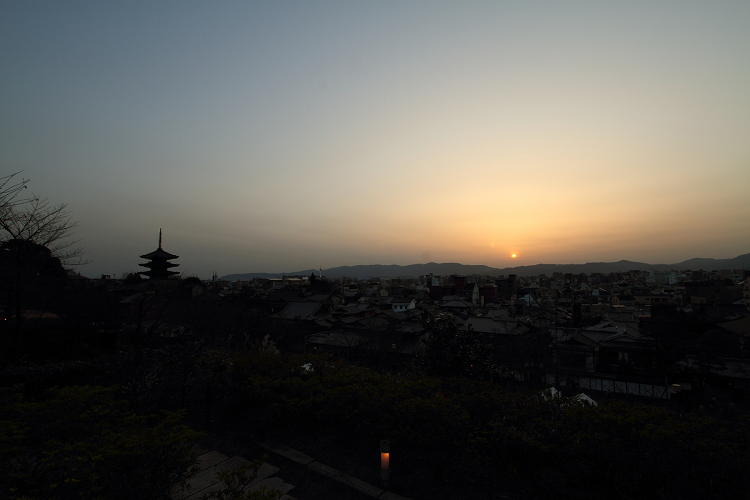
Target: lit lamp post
(385, 462)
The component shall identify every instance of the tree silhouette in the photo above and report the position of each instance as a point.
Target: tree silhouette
(450, 351)
(36, 245)
(30, 278)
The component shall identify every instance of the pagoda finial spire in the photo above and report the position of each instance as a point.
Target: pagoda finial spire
(159, 237)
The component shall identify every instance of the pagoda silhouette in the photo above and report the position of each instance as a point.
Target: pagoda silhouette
(158, 264)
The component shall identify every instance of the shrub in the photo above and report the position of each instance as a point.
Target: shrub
(80, 442)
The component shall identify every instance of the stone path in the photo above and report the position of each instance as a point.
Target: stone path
(212, 462)
(310, 463)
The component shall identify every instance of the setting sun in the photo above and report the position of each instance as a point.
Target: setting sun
(514, 256)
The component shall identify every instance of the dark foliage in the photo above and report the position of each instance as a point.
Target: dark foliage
(475, 437)
(451, 351)
(81, 442)
(30, 275)
(31, 282)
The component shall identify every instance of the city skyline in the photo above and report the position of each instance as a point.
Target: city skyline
(275, 137)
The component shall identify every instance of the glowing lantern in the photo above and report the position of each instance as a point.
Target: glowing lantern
(385, 462)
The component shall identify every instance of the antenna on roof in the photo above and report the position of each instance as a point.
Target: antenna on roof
(159, 237)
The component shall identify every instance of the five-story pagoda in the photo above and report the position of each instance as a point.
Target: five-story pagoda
(158, 263)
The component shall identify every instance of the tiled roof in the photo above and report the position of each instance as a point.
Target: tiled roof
(159, 254)
(301, 310)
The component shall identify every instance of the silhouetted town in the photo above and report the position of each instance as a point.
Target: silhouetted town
(594, 333)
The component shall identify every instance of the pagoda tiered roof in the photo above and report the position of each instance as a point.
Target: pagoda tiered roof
(160, 254)
(158, 265)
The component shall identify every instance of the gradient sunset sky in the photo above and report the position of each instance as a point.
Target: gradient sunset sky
(280, 136)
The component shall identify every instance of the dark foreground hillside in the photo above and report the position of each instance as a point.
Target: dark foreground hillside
(451, 437)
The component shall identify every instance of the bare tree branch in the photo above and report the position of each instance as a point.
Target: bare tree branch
(10, 189)
(35, 220)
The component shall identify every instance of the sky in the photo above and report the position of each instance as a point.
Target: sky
(281, 136)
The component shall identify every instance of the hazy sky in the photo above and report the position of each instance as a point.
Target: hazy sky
(279, 136)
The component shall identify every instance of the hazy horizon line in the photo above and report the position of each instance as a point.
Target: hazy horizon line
(497, 267)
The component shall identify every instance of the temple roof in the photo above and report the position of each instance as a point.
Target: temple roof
(159, 265)
(159, 254)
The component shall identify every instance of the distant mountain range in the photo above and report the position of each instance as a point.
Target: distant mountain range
(394, 271)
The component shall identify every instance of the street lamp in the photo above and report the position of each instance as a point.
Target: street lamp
(385, 462)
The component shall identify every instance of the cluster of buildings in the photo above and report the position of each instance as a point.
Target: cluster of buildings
(590, 332)
(595, 329)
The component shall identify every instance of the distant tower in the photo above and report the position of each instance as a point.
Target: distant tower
(320, 271)
(158, 263)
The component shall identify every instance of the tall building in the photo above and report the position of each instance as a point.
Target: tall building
(506, 288)
(158, 263)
